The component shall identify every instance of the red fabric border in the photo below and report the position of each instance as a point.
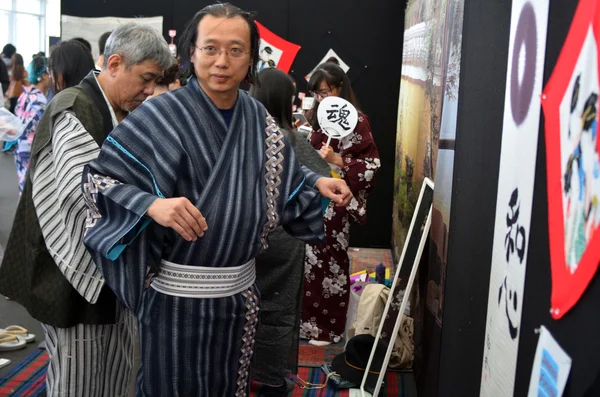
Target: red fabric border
(567, 288)
(289, 49)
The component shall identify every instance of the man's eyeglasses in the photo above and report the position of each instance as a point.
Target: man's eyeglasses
(212, 51)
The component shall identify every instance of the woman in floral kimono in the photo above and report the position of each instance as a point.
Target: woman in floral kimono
(30, 108)
(356, 160)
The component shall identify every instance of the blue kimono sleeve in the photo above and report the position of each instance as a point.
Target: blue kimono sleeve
(302, 215)
(130, 173)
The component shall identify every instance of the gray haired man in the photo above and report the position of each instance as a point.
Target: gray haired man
(90, 336)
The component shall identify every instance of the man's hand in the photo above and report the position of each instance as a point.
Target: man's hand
(334, 189)
(180, 215)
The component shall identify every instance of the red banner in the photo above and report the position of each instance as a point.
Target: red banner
(570, 104)
(275, 52)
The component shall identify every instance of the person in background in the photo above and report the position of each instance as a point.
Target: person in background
(169, 82)
(90, 337)
(356, 159)
(4, 80)
(101, 46)
(18, 80)
(7, 52)
(83, 42)
(68, 65)
(333, 60)
(279, 269)
(30, 108)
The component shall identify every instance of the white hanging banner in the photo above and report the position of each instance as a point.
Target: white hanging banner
(92, 28)
(520, 130)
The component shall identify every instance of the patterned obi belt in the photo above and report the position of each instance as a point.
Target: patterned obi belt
(204, 282)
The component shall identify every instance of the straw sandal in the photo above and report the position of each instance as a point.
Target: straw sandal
(19, 332)
(10, 342)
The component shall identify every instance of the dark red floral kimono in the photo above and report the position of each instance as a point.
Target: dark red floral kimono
(326, 266)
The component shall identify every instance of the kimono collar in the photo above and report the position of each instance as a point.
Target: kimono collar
(113, 116)
(194, 85)
(91, 86)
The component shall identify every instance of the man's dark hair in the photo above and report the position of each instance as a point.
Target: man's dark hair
(4, 79)
(220, 10)
(102, 41)
(9, 50)
(83, 41)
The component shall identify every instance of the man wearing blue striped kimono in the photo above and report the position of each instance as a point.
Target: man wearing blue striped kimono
(181, 200)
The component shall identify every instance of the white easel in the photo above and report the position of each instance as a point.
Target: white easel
(426, 183)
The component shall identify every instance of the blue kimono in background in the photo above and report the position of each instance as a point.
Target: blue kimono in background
(245, 180)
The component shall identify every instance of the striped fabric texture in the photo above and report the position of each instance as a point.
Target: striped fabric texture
(178, 145)
(60, 209)
(27, 378)
(92, 360)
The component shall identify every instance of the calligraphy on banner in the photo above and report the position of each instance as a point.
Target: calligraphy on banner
(527, 47)
(514, 241)
(570, 103)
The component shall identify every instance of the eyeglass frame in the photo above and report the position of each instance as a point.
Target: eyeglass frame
(316, 94)
(220, 51)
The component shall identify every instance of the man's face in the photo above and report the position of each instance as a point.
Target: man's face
(133, 84)
(222, 74)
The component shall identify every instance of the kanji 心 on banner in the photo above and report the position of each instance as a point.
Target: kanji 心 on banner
(570, 105)
(275, 52)
(527, 47)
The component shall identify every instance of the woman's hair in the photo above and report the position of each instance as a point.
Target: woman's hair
(70, 60)
(83, 42)
(102, 42)
(171, 74)
(36, 69)
(275, 92)
(187, 43)
(335, 77)
(17, 67)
